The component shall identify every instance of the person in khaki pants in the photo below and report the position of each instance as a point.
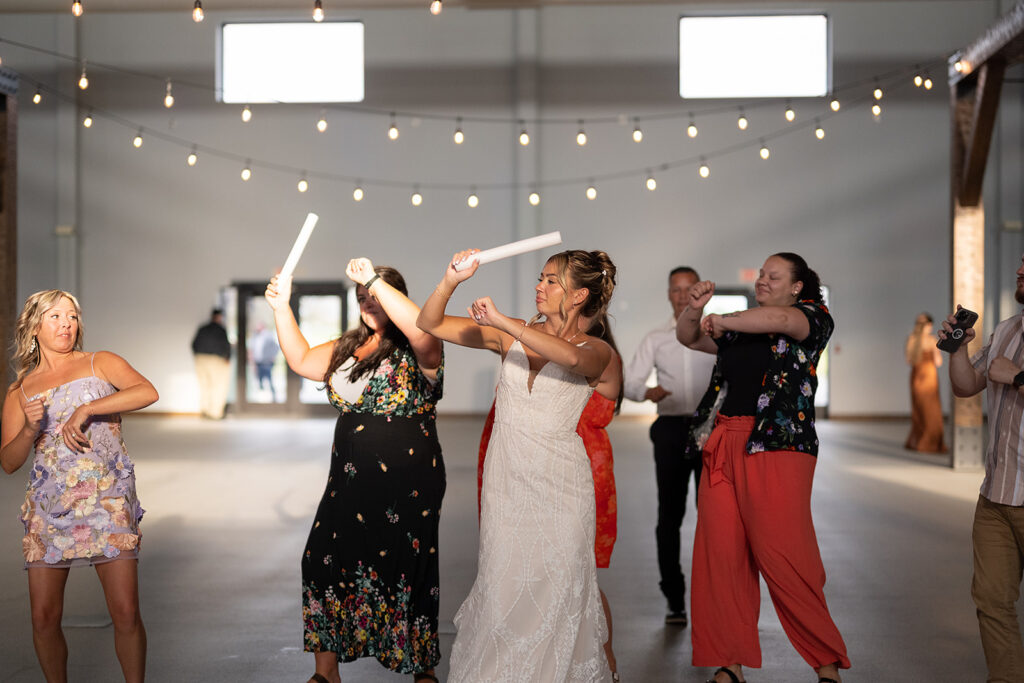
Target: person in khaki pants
(213, 355)
(999, 517)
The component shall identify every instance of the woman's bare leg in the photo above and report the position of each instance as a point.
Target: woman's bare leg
(46, 596)
(120, 581)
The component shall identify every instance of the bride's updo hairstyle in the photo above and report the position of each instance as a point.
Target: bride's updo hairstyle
(590, 270)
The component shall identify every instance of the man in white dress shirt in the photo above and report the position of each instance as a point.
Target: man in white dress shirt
(682, 378)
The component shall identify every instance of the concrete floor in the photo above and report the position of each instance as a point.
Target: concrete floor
(229, 505)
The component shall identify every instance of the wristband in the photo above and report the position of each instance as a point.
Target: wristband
(371, 280)
(1018, 380)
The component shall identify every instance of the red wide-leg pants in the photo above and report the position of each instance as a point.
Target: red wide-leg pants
(754, 515)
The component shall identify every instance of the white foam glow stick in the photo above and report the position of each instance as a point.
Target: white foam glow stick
(512, 249)
(300, 243)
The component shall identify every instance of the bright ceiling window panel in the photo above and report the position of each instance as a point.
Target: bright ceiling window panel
(754, 56)
(291, 62)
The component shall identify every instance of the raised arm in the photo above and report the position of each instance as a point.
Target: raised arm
(688, 328)
(133, 392)
(401, 311)
(307, 362)
(964, 378)
(785, 320)
(457, 329)
(588, 359)
(19, 430)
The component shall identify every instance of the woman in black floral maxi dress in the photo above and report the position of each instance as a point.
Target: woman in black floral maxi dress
(370, 566)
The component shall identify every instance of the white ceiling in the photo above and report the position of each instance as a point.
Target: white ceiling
(46, 6)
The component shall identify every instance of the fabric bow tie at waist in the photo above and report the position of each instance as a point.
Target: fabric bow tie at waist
(715, 451)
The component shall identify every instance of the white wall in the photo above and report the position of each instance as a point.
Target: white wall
(867, 207)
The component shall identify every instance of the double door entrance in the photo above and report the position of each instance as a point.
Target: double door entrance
(263, 382)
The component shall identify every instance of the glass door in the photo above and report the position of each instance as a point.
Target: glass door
(264, 383)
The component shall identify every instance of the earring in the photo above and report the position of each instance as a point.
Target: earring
(32, 347)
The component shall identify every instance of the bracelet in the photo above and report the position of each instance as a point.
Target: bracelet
(371, 280)
(521, 331)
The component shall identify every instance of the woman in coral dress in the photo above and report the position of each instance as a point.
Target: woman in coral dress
(926, 426)
(80, 507)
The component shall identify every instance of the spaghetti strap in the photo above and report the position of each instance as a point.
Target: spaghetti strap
(22, 387)
(92, 363)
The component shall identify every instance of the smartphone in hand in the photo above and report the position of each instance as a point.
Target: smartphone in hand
(965, 320)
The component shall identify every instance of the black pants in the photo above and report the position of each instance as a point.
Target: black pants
(672, 469)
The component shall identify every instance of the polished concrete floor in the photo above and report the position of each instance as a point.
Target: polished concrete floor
(229, 504)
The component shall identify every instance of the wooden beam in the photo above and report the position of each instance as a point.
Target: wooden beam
(1004, 39)
(8, 218)
(976, 102)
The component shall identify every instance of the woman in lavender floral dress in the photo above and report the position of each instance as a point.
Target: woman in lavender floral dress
(80, 508)
(370, 569)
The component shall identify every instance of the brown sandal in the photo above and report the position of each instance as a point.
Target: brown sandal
(318, 678)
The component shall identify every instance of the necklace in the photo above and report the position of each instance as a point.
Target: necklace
(569, 340)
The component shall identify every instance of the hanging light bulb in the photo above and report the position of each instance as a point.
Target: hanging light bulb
(472, 201)
(764, 151)
(581, 137)
(638, 135)
(927, 83)
(524, 137)
(246, 114)
(38, 97)
(393, 129)
(789, 113)
(819, 132)
(877, 93)
(83, 80)
(834, 104)
(591, 191)
(137, 140)
(197, 12)
(918, 80)
(458, 136)
(742, 121)
(246, 171)
(321, 123)
(534, 199)
(691, 129)
(192, 157)
(168, 98)
(358, 194)
(650, 182)
(876, 109)
(958, 66)
(303, 184)
(87, 121)
(416, 198)
(703, 171)
(76, 8)
(318, 11)
(435, 7)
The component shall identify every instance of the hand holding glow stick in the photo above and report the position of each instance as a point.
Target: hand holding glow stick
(299, 246)
(512, 249)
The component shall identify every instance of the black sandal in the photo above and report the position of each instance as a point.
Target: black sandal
(318, 678)
(425, 677)
(827, 680)
(729, 673)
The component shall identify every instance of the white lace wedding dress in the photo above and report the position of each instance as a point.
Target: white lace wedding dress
(534, 612)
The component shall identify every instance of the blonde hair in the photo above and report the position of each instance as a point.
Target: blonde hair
(26, 348)
(578, 269)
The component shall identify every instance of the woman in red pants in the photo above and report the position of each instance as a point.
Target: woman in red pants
(754, 509)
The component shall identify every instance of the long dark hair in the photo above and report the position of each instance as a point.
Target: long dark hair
(391, 338)
(602, 329)
(802, 273)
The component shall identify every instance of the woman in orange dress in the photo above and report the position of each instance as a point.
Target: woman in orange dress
(597, 414)
(926, 427)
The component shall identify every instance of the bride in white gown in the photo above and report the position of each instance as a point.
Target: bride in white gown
(534, 612)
